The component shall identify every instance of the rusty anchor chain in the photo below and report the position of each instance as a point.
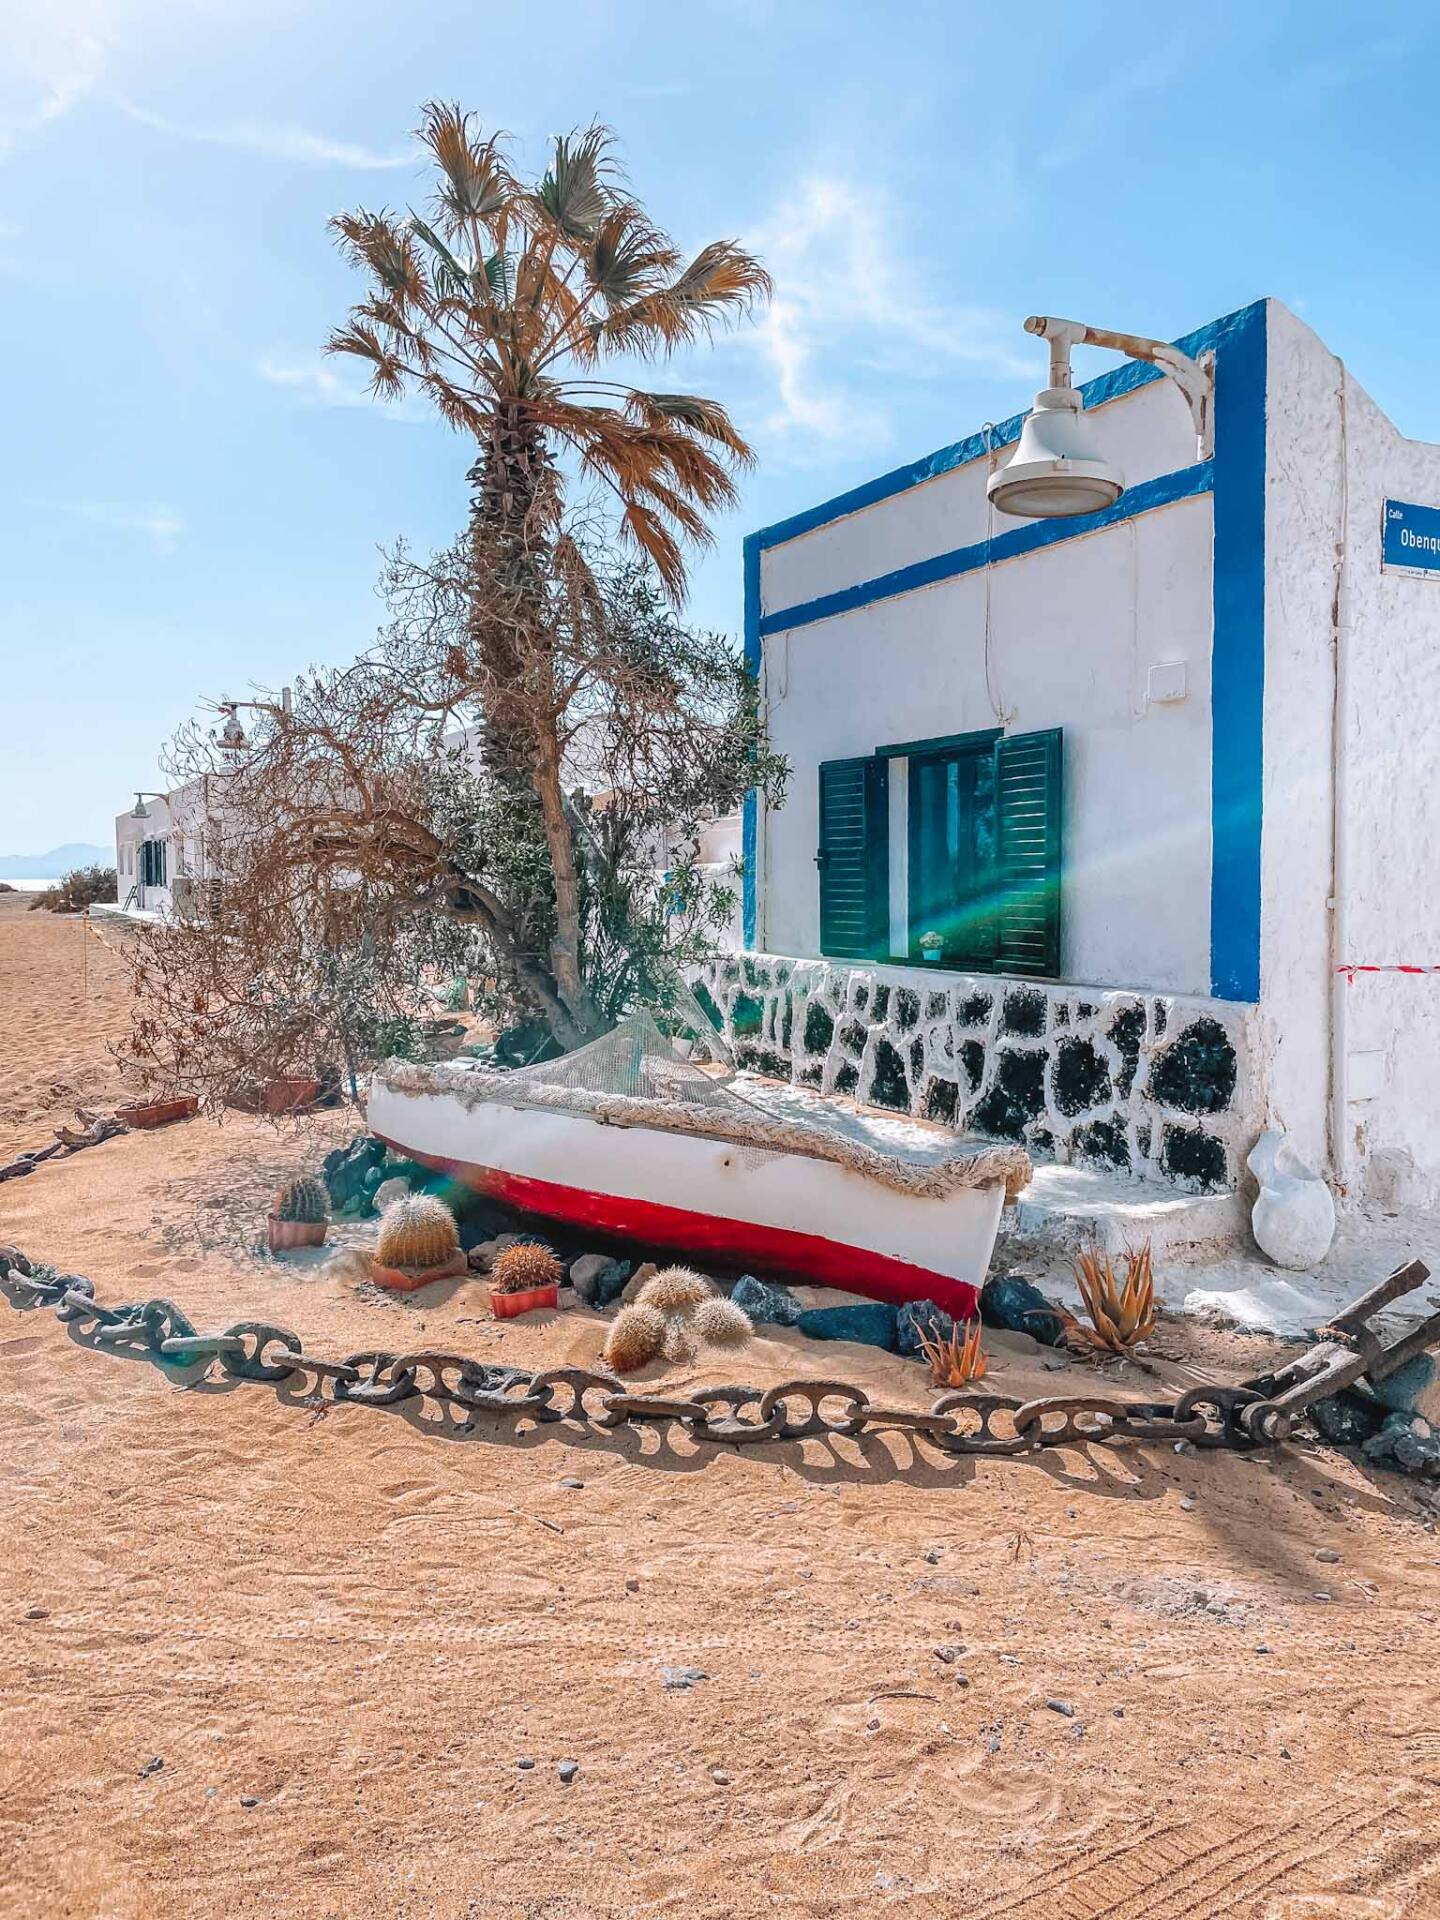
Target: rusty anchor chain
(968, 1423)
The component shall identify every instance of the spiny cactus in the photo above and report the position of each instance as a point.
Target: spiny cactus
(720, 1323)
(636, 1338)
(417, 1233)
(526, 1264)
(676, 1290)
(303, 1198)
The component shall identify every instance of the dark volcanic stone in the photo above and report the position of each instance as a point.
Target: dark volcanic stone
(907, 1008)
(941, 1101)
(972, 1058)
(1197, 1071)
(917, 1317)
(1016, 1096)
(1082, 1079)
(847, 1077)
(766, 1304)
(819, 1028)
(1008, 1301)
(853, 1037)
(1126, 1029)
(889, 1087)
(975, 1009)
(873, 1324)
(747, 1016)
(1103, 1141)
(1024, 1012)
(881, 1007)
(1189, 1154)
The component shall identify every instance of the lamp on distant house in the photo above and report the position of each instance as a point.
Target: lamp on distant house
(140, 811)
(232, 735)
(1057, 469)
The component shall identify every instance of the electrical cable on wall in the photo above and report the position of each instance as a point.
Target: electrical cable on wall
(1002, 716)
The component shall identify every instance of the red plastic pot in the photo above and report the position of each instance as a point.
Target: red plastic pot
(159, 1113)
(288, 1095)
(288, 1234)
(509, 1306)
(407, 1279)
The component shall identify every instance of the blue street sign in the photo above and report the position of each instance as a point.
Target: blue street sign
(1410, 537)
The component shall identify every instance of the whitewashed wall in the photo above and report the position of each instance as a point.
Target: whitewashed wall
(1329, 473)
(1074, 628)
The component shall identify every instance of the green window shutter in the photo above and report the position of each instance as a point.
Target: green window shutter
(1029, 823)
(854, 858)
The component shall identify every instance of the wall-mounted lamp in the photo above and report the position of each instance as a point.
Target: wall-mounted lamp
(140, 811)
(1057, 469)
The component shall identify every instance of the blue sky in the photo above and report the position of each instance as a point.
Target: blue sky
(193, 497)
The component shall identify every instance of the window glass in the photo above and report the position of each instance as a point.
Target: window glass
(952, 856)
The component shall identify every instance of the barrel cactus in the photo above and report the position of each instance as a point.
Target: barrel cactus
(417, 1234)
(635, 1338)
(523, 1266)
(720, 1323)
(676, 1290)
(303, 1198)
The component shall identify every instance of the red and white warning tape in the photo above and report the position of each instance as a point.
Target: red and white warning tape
(1351, 968)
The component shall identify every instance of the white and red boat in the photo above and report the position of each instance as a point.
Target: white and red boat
(747, 1173)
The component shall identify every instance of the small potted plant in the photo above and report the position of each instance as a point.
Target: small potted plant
(524, 1277)
(299, 1214)
(418, 1243)
(932, 947)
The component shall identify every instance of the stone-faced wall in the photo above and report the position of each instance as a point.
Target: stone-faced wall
(1148, 1084)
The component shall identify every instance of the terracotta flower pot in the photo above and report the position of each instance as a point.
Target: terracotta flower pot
(509, 1306)
(159, 1113)
(286, 1234)
(290, 1094)
(407, 1279)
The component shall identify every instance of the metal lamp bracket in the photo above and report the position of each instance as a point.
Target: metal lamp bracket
(1195, 378)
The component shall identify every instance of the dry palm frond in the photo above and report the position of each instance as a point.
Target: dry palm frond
(1122, 1313)
(956, 1359)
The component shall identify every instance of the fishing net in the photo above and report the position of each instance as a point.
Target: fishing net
(634, 1077)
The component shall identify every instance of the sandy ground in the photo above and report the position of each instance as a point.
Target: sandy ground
(362, 1621)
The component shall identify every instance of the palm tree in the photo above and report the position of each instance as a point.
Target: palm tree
(504, 308)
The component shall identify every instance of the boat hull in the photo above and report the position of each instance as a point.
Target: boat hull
(778, 1214)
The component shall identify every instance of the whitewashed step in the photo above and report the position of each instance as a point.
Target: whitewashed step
(1065, 1208)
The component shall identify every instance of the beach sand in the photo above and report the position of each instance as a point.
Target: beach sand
(362, 1621)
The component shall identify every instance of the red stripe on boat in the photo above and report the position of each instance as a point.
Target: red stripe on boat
(778, 1251)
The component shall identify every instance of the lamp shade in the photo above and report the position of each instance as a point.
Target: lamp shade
(1056, 470)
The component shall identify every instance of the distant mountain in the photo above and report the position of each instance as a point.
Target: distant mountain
(56, 863)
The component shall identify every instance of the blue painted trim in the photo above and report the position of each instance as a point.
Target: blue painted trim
(1236, 477)
(1162, 491)
(1237, 660)
(750, 819)
(1106, 386)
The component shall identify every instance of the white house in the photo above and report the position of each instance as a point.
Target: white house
(1090, 818)
(160, 850)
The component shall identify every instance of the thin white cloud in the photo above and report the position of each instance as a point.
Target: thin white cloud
(319, 383)
(272, 142)
(853, 315)
(51, 58)
(161, 526)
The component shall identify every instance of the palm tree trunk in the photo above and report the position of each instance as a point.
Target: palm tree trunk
(512, 526)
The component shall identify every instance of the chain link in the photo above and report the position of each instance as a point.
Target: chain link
(970, 1423)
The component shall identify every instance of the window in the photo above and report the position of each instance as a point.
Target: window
(152, 863)
(982, 851)
(952, 874)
